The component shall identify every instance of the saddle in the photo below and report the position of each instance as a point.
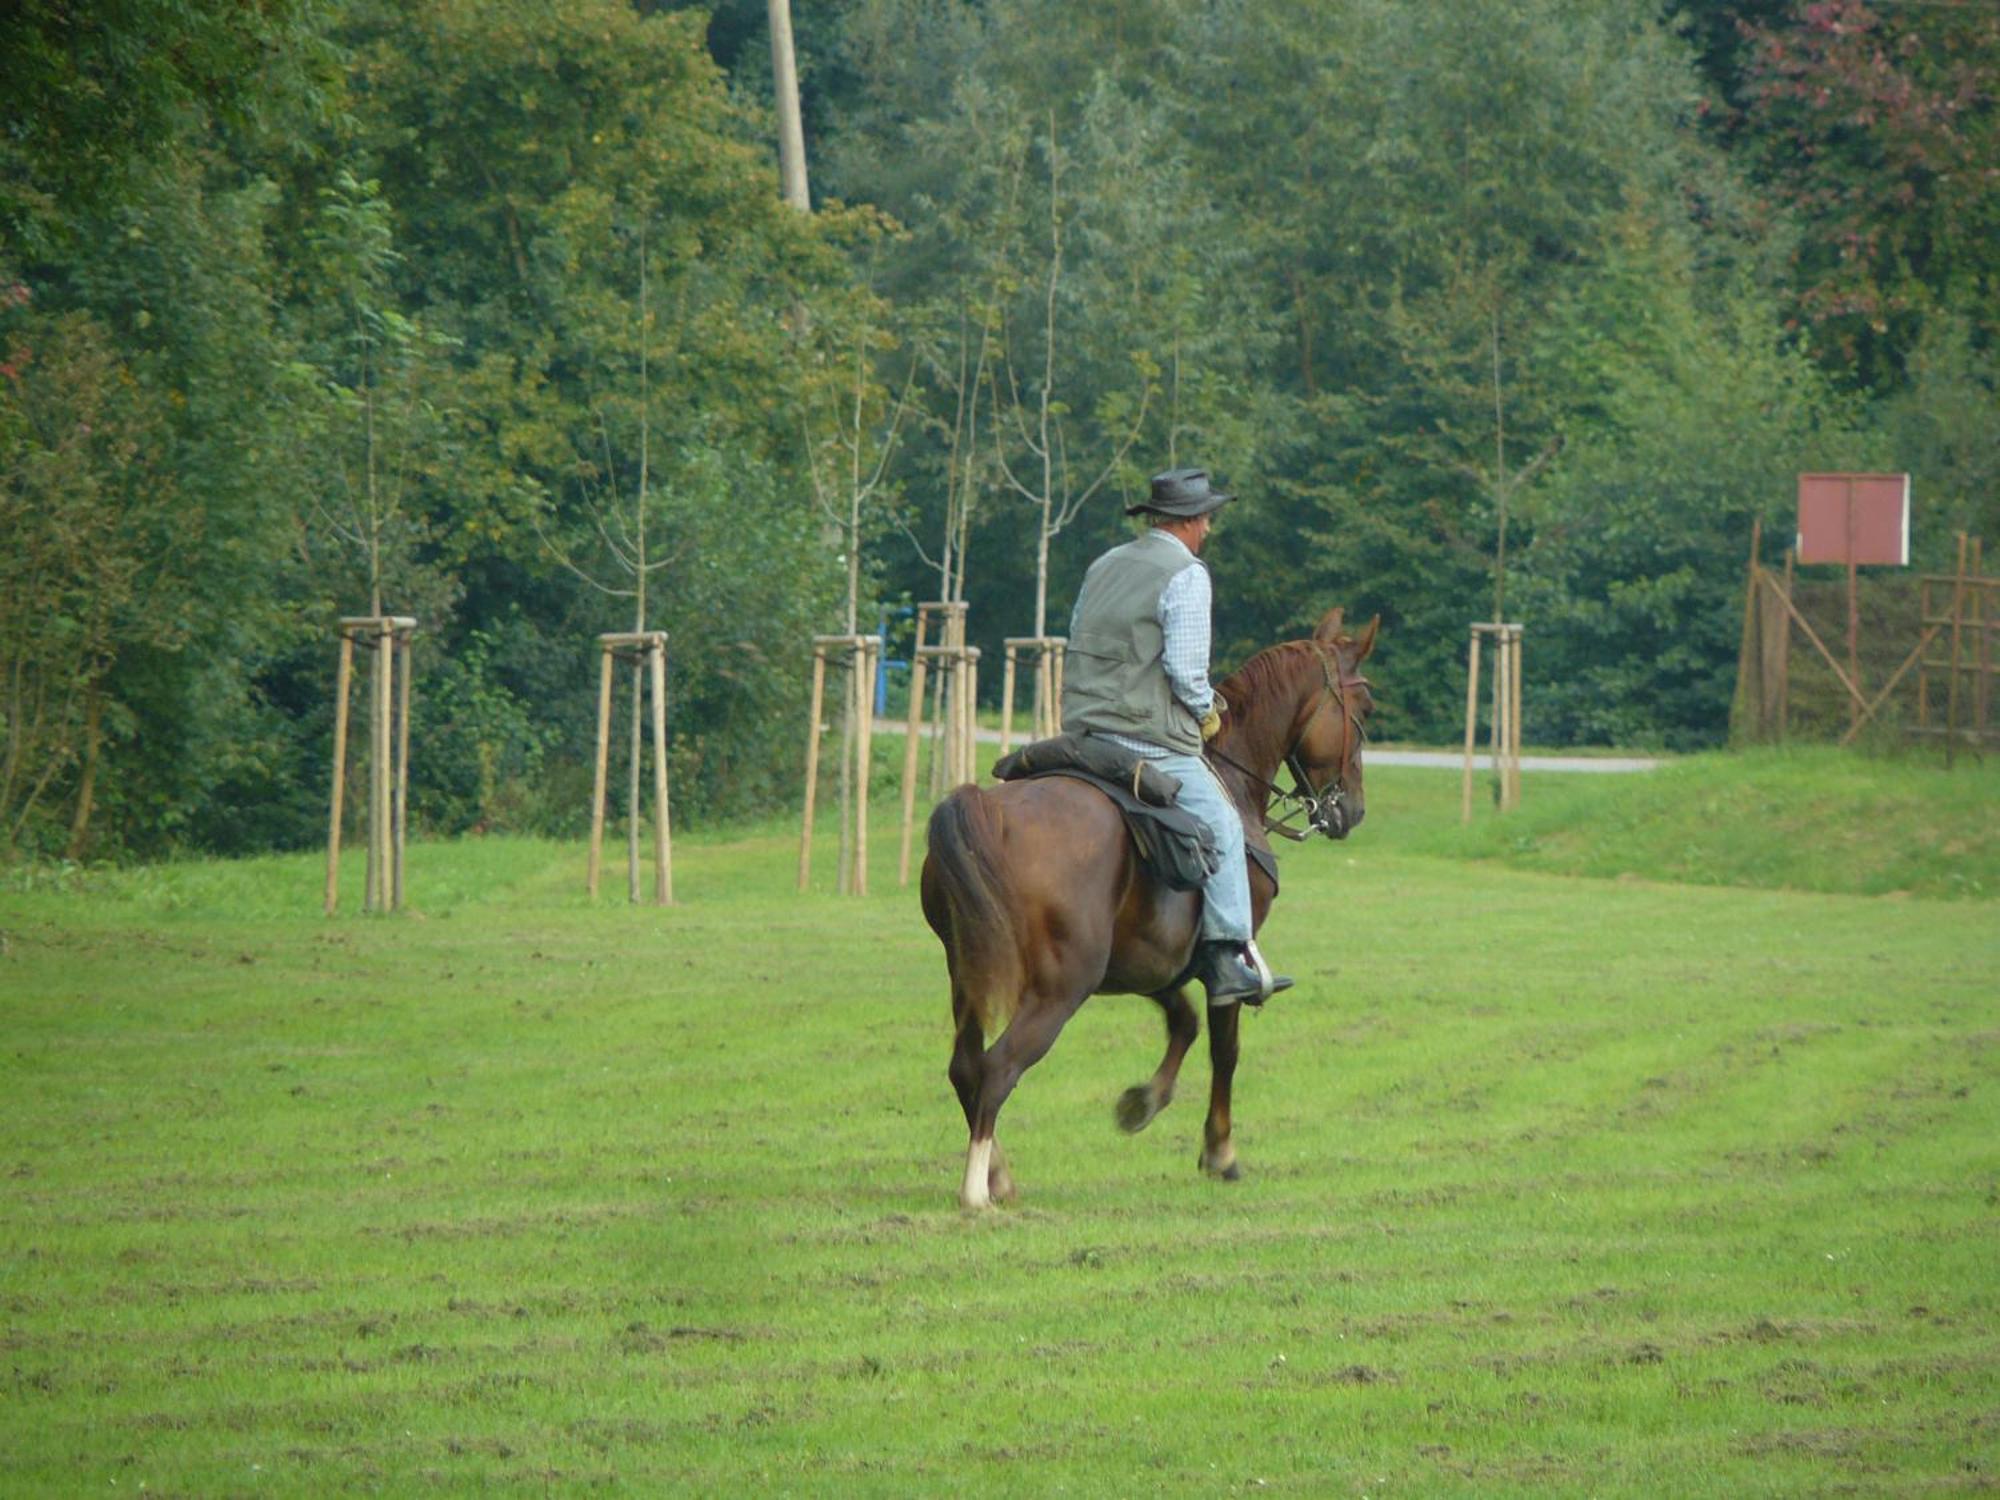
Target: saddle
(1170, 841)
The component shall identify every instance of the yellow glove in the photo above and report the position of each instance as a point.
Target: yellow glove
(1211, 722)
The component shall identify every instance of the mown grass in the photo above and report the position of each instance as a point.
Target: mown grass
(1555, 1185)
(1813, 819)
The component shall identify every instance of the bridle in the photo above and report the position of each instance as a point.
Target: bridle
(1324, 808)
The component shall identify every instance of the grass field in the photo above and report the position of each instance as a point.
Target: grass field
(1555, 1185)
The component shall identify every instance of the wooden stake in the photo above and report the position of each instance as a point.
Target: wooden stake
(969, 732)
(633, 772)
(910, 736)
(1983, 665)
(378, 831)
(1514, 717)
(1007, 697)
(598, 787)
(1471, 726)
(663, 869)
(1785, 653)
(1749, 703)
(402, 650)
(812, 761)
(1497, 730)
(1957, 620)
(342, 680)
(864, 706)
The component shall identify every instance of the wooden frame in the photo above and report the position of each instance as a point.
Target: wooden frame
(1762, 710)
(954, 724)
(1047, 653)
(860, 655)
(1505, 736)
(387, 638)
(646, 650)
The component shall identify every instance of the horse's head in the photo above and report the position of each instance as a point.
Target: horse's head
(1326, 753)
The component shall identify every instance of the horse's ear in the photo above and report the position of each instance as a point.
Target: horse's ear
(1367, 642)
(1328, 629)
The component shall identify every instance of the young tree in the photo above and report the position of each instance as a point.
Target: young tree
(369, 378)
(1033, 421)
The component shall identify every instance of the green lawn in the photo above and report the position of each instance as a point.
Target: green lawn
(1554, 1184)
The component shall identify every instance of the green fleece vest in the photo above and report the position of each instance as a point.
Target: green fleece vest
(1114, 672)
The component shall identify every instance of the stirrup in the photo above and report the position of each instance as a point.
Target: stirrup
(1268, 984)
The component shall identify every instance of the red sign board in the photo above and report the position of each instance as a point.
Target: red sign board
(1854, 518)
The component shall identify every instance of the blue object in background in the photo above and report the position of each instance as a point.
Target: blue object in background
(882, 662)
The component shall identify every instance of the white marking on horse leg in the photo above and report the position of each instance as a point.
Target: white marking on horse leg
(978, 1162)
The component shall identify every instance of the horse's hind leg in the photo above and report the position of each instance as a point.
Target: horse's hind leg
(1026, 1041)
(1139, 1104)
(967, 1070)
(1218, 1151)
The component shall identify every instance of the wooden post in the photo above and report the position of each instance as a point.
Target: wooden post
(598, 787)
(1007, 697)
(968, 737)
(384, 780)
(1853, 617)
(647, 652)
(1046, 653)
(1514, 718)
(387, 638)
(910, 737)
(857, 750)
(342, 680)
(812, 759)
(402, 771)
(865, 648)
(1471, 724)
(1505, 735)
(663, 859)
(1983, 664)
(1749, 704)
(1957, 619)
(1785, 652)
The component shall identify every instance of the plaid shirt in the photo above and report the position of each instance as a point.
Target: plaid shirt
(1185, 604)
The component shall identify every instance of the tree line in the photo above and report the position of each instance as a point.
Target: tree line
(492, 314)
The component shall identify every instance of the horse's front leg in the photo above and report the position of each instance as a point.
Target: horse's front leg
(1218, 1151)
(1138, 1105)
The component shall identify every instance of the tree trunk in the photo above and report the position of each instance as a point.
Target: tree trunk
(93, 722)
(791, 134)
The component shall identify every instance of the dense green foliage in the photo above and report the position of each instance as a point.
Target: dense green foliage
(489, 313)
(1553, 1186)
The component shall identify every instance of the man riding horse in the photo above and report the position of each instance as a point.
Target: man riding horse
(1037, 890)
(1137, 674)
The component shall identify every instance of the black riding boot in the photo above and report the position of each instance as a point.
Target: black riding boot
(1237, 972)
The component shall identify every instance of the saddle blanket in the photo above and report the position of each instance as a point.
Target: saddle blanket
(1170, 841)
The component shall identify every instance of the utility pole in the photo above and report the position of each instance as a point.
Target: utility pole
(791, 134)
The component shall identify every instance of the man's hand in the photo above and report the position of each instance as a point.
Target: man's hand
(1211, 722)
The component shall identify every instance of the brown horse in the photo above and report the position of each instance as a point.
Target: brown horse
(1035, 892)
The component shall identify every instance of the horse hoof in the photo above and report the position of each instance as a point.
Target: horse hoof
(1136, 1109)
(1230, 1172)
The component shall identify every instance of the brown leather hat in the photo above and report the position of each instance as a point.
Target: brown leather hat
(1182, 494)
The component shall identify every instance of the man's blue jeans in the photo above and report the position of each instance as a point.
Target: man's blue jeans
(1225, 912)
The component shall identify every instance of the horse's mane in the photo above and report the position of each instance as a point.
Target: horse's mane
(1271, 673)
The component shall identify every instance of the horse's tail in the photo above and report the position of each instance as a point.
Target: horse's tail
(981, 941)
